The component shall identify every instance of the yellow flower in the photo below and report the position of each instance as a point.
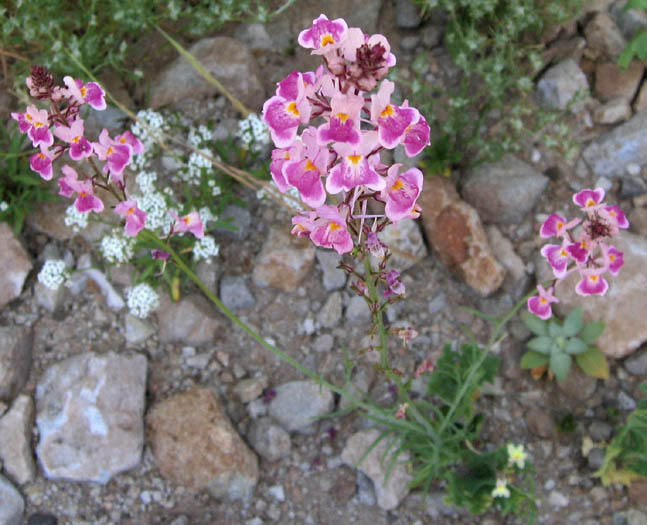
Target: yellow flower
(516, 455)
(501, 490)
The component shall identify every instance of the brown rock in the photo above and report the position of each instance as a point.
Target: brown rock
(192, 320)
(16, 264)
(15, 359)
(227, 59)
(196, 446)
(540, 422)
(456, 234)
(604, 38)
(641, 100)
(611, 81)
(638, 493)
(614, 111)
(284, 261)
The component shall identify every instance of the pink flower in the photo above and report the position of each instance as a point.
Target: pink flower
(190, 222)
(558, 257)
(156, 253)
(308, 162)
(41, 162)
(279, 158)
(135, 217)
(116, 155)
(80, 147)
(356, 167)
(324, 35)
(343, 125)
(426, 366)
(581, 249)
(395, 285)
(402, 411)
(128, 138)
(615, 216)
(304, 224)
(70, 184)
(82, 93)
(540, 304)
(416, 137)
(330, 230)
(556, 226)
(401, 192)
(393, 121)
(589, 200)
(614, 259)
(592, 282)
(285, 111)
(376, 247)
(35, 123)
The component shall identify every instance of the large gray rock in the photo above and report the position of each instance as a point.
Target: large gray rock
(196, 446)
(235, 294)
(504, 192)
(90, 411)
(557, 86)
(269, 439)
(192, 320)
(15, 359)
(333, 278)
(11, 504)
(15, 440)
(611, 153)
(623, 306)
(389, 492)
(227, 59)
(297, 404)
(16, 264)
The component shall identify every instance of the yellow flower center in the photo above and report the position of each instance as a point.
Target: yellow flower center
(560, 224)
(590, 202)
(543, 300)
(28, 117)
(76, 140)
(354, 158)
(594, 278)
(397, 186)
(110, 150)
(342, 116)
(292, 108)
(334, 226)
(327, 39)
(310, 166)
(388, 111)
(130, 211)
(38, 124)
(83, 194)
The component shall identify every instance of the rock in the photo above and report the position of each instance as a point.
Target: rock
(406, 244)
(560, 83)
(557, 499)
(563, 49)
(192, 321)
(632, 185)
(600, 431)
(89, 412)
(603, 38)
(622, 306)
(238, 217)
(111, 118)
(136, 330)
(285, 260)
(196, 446)
(504, 192)
(505, 254)
(333, 278)
(637, 363)
(365, 489)
(637, 492)
(249, 389)
(640, 104)
(630, 21)
(611, 81)
(609, 154)
(42, 519)
(540, 422)
(227, 59)
(626, 402)
(432, 35)
(15, 440)
(595, 459)
(11, 504)
(269, 440)
(49, 218)
(48, 298)
(407, 14)
(615, 111)
(389, 492)
(235, 294)
(16, 264)
(456, 235)
(255, 36)
(323, 343)
(298, 403)
(577, 385)
(360, 383)
(330, 313)
(15, 359)
(357, 311)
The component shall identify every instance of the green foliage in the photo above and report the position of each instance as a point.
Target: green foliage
(556, 343)
(491, 103)
(626, 456)
(637, 48)
(21, 190)
(100, 34)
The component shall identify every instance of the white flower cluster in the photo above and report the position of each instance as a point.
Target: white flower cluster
(157, 215)
(142, 300)
(198, 136)
(146, 181)
(193, 172)
(205, 248)
(149, 134)
(76, 219)
(206, 215)
(215, 187)
(253, 132)
(117, 248)
(54, 273)
(4, 206)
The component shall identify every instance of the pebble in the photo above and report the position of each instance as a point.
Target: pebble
(15, 440)
(192, 320)
(626, 402)
(16, 264)
(235, 294)
(557, 499)
(333, 278)
(331, 312)
(15, 359)
(600, 431)
(561, 83)
(12, 504)
(407, 14)
(249, 389)
(637, 363)
(277, 492)
(298, 403)
(595, 458)
(357, 311)
(136, 330)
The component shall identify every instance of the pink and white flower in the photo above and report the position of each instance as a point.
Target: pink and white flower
(392, 121)
(401, 193)
(283, 113)
(343, 125)
(540, 304)
(592, 282)
(41, 162)
(90, 93)
(589, 200)
(308, 162)
(135, 217)
(70, 184)
(80, 147)
(558, 257)
(330, 230)
(357, 166)
(324, 35)
(416, 137)
(190, 222)
(116, 154)
(35, 122)
(557, 226)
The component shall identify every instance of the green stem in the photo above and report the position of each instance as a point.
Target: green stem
(371, 284)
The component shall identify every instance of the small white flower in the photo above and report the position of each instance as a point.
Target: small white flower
(4, 206)
(517, 455)
(117, 248)
(253, 132)
(205, 248)
(501, 490)
(75, 219)
(142, 300)
(54, 273)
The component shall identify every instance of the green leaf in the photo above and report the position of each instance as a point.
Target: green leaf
(560, 364)
(540, 344)
(534, 324)
(593, 363)
(636, 4)
(575, 346)
(591, 332)
(573, 323)
(532, 359)
(636, 48)
(554, 328)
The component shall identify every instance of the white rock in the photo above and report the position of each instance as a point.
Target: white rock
(298, 403)
(11, 504)
(15, 440)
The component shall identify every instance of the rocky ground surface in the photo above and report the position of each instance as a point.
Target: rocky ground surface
(183, 419)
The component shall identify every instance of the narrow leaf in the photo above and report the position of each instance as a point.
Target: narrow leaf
(560, 364)
(593, 363)
(532, 359)
(591, 332)
(573, 323)
(534, 324)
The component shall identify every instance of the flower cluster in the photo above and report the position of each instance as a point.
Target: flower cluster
(142, 300)
(325, 125)
(54, 273)
(584, 251)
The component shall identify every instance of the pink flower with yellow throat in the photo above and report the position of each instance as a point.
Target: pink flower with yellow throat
(191, 222)
(135, 218)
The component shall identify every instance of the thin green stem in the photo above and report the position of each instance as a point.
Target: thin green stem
(371, 284)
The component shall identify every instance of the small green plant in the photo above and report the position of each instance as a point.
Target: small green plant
(21, 190)
(555, 343)
(625, 458)
(637, 48)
